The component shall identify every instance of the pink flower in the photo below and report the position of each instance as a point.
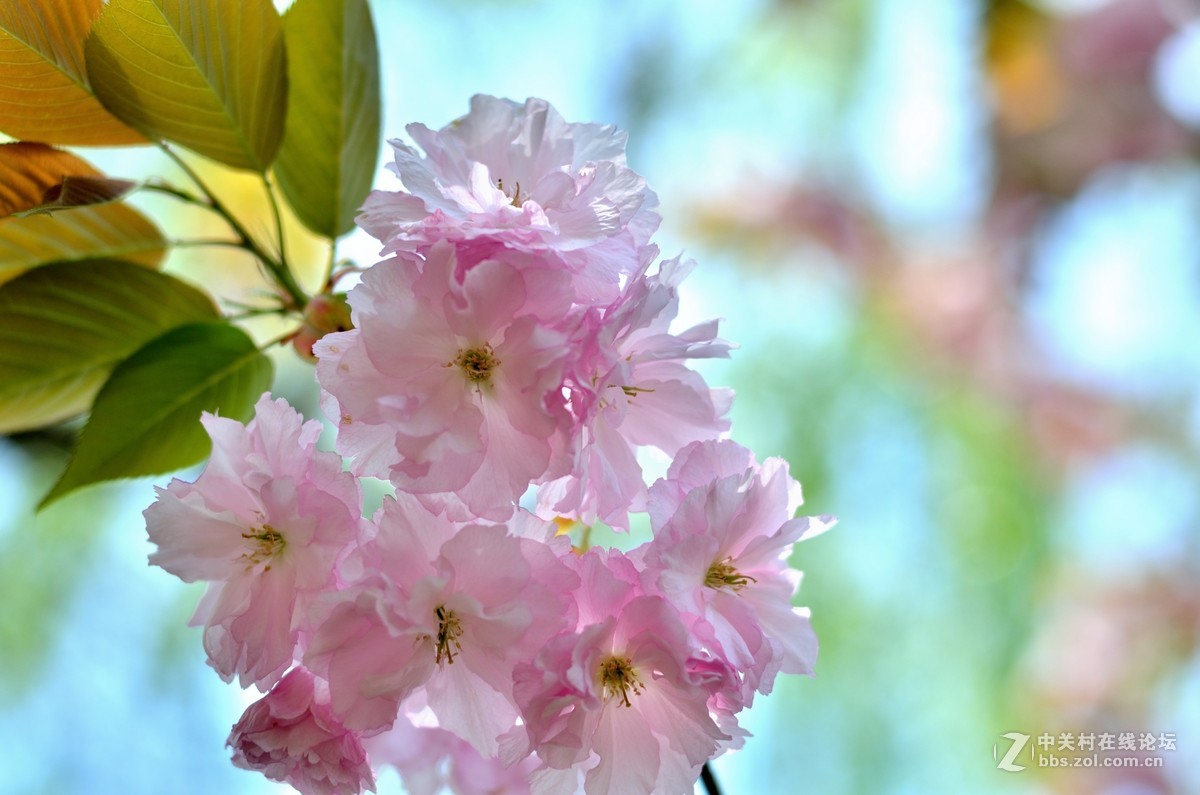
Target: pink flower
(725, 700)
(618, 698)
(264, 524)
(699, 465)
(445, 608)
(720, 555)
(450, 384)
(515, 173)
(514, 338)
(631, 388)
(291, 735)
(432, 760)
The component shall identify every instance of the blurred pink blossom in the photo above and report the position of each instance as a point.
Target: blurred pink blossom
(291, 735)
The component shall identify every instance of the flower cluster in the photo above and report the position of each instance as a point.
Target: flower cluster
(516, 337)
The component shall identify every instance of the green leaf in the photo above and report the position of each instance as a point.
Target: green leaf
(75, 192)
(327, 161)
(64, 327)
(208, 74)
(105, 231)
(44, 92)
(146, 419)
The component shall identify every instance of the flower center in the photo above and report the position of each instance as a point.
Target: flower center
(515, 195)
(722, 574)
(448, 632)
(619, 679)
(267, 544)
(477, 363)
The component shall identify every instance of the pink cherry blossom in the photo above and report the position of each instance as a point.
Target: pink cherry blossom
(445, 608)
(618, 698)
(516, 173)
(699, 465)
(291, 735)
(432, 760)
(263, 524)
(630, 387)
(725, 700)
(721, 557)
(518, 335)
(450, 384)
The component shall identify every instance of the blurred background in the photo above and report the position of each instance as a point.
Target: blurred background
(957, 242)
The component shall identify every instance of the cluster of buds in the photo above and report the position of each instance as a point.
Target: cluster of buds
(508, 360)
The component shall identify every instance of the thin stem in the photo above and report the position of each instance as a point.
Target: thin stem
(337, 275)
(248, 313)
(280, 340)
(182, 195)
(709, 780)
(329, 266)
(207, 241)
(278, 219)
(278, 270)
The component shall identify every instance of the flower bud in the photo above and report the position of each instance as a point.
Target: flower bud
(324, 314)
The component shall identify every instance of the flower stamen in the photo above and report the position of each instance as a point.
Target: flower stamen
(722, 574)
(448, 632)
(618, 679)
(632, 391)
(476, 363)
(269, 545)
(516, 196)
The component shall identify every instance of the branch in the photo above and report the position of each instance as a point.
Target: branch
(709, 780)
(278, 270)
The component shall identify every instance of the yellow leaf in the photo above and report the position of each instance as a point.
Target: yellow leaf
(105, 231)
(208, 74)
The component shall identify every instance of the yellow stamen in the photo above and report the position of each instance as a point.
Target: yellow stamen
(448, 632)
(516, 197)
(618, 679)
(630, 391)
(270, 543)
(476, 363)
(722, 574)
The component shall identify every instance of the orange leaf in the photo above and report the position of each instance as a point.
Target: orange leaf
(44, 90)
(28, 170)
(81, 192)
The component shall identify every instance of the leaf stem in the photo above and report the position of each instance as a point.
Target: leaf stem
(709, 780)
(182, 195)
(248, 313)
(336, 275)
(283, 339)
(278, 220)
(278, 270)
(329, 266)
(207, 241)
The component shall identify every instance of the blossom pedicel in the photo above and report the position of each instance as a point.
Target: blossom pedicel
(517, 335)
